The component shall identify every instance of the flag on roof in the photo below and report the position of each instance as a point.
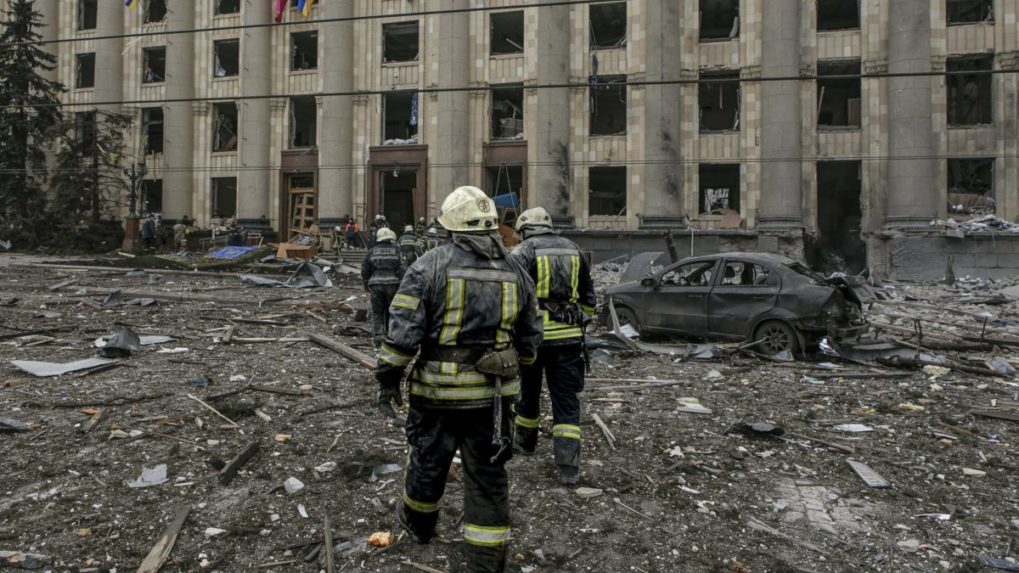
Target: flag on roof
(304, 7)
(281, 6)
(130, 3)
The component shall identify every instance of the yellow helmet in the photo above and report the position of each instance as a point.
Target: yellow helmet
(468, 209)
(534, 217)
(385, 234)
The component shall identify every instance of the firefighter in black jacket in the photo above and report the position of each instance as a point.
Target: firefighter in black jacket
(566, 297)
(473, 314)
(381, 273)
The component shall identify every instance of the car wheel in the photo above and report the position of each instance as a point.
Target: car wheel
(627, 316)
(775, 337)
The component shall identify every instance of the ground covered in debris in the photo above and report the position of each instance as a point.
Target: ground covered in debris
(669, 484)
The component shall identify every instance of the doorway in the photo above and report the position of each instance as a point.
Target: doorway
(398, 198)
(839, 246)
(301, 215)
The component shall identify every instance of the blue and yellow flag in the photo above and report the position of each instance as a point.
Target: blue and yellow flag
(130, 3)
(304, 7)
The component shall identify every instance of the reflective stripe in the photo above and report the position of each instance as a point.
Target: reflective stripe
(574, 278)
(455, 294)
(419, 506)
(510, 309)
(527, 422)
(527, 360)
(393, 357)
(418, 388)
(558, 331)
(568, 431)
(486, 536)
(587, 309)
(406, 301)
(554, 252)
(486, 275)
(454, 379)
(449, 368)
(544, 282)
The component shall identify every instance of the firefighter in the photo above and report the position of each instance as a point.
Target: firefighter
(420, 228)
(410, 248)
(566, 298)
(432, 239)
(381, 273)
(473, 314)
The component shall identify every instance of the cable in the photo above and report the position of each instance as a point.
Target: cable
(448, 11)
(567, 85)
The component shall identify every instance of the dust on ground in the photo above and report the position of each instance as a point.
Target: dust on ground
(676, 494)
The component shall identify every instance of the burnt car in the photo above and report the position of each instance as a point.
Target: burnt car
(765, 298)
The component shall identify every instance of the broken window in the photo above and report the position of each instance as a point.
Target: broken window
(691, 274)
(718, 98)
(224, 197)
(719, 188)
(400, 42)
(224, 126)
(971, 186)
(154, 62)
(737, 273)
(607, 191)
(608, 105)
(155, 11)
(303, 122)
(226, 54)
(719, 19)
(838, 98)
(152, 129)
(507, 33)
(970, 11)
(400, 118)
(838, 15)
(227, 6)
(969, 94)
(85, 70)
(303, 50)
(508, 112)
(87, 10)
(608, 25)
(152, 196)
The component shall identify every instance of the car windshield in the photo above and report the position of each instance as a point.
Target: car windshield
(691, 274)
(802, 269)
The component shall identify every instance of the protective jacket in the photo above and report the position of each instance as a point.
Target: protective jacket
(563, 283)
(382, 265)
(456, 302)
(410, 248)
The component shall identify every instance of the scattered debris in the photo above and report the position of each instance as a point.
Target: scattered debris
(306, 275)
(9, 426)
(754, 429)
(868, 475)
(48, 369)
(588, 492)
(164, 545)
(19, 560)
(381, 539)
(150, 477)
(1001, 564)
(120, 345)
(293, 485)
(853, 428)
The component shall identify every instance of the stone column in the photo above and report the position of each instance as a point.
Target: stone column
(255, 82)
(781, 204)
(548, 139)
(109, 61)
(912, 188)
(452, 51)
(178, 119)
(50, 31)
(335, 135)
(663, 193)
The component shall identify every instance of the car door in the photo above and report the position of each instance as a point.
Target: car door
(743, 291)
(679, 303)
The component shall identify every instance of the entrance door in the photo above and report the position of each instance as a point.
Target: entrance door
(839, 217)
(301, 201)
(398, 198)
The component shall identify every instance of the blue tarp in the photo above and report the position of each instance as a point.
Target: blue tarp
(231, 253)
(507, 201)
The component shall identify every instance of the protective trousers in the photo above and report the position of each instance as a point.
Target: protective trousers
(434, 436)
(382, 297)
(563, 369)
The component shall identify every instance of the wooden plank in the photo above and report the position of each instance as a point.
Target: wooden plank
(1007, 416)
(161, 550)
(327, 529)
(229, 471)
(342, 349)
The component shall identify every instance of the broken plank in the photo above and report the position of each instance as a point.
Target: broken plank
(92, 422)
(650, 386)
(1007, 416)
(161, 550)
(229, 471)
(754, 523)
(342, 349)
(611, 439)
(327, 530)
(838, 447)
(229, 334)
(213, 410)
(274, 390)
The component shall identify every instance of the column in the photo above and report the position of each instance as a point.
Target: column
(912, 188)
(781, 202)
(50, 16)
(452, 51)
(663, 204)
(109, 61)
(254, 173)
(335, 135)
(548, 119)
(178, 124)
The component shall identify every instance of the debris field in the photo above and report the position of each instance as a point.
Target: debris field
(249, 440)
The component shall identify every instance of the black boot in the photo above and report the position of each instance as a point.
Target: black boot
(525, 441)
(567, 457)
(484, 559)
(420, 526)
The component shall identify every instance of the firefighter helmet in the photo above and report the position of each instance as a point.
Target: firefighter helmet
(468, 209)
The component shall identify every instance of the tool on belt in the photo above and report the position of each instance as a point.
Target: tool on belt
(498, 364)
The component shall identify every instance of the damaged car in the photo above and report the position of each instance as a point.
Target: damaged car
(772, 300)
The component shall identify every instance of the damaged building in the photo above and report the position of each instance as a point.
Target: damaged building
(708, 118)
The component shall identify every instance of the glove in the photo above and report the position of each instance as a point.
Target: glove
(389, 390)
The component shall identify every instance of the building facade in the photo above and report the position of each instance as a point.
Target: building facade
(737, 123)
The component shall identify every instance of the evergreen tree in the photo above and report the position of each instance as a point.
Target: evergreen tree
(29, 116)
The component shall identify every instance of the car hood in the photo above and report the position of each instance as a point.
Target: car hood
(854, 289)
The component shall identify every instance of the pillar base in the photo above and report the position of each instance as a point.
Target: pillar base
(664, 223)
